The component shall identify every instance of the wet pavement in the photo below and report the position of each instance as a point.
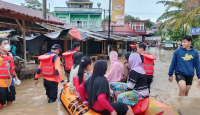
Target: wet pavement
(31, 100)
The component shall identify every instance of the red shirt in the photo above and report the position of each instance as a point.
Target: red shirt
(102, 102)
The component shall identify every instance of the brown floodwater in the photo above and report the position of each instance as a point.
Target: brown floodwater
(31, 100)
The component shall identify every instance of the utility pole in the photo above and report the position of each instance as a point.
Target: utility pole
(104, 20)
(44, 9)
(109, 20)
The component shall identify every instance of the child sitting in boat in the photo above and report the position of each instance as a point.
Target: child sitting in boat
(127, 68)
(116, 68)
(97, 89)
(136, 87)
(77, 58)
(83, 73)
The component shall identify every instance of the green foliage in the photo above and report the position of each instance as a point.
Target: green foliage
(196, 43)
(163, 38)
(148, 24)
(158, 33)
(34, 4)
(105, 19)
(129, 18)
(175, 35)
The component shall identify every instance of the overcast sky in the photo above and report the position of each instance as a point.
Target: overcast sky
(144, 9)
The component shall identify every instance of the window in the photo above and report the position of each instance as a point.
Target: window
(93, 23)
(142, 27)
(137, 27)
(63, 19)
(74, 23)
(133, 27)
(85, 23)
(81, 6)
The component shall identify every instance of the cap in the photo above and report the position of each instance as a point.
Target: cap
(75, 44)
(56, 46)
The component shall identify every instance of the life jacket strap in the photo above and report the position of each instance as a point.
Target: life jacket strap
(47, 67)
(147, 65)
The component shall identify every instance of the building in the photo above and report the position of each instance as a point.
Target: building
(134, 29)
(80, 14)
(155, 26)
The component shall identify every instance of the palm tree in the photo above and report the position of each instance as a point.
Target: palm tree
(185, 13)
(172, 18)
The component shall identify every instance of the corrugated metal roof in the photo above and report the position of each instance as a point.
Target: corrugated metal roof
(17, 11)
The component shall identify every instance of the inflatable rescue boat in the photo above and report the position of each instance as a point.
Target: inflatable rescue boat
(148, 106)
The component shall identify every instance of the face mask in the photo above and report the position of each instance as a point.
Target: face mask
(7, 47)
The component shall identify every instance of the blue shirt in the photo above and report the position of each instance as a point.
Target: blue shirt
(13, 49)
(184, 61)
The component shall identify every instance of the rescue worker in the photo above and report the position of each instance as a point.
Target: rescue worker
(50, 69)
(7, 73)
(147, 63)
(69, 58)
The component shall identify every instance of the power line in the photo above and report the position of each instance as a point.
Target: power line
(105, 3)
(52, 4)
(143, 13)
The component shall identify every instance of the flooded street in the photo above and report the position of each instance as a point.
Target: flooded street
(31, 100)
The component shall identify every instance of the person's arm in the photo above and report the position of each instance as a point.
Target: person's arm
(196, 64)
(38, 73)
(131, 85)
(133, 77)
(82, 92)
(173, 64)
(125, 74)
(103, 100)
(58, 70)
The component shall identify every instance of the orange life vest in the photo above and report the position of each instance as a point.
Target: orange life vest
(133, 46)
(47, 66)
(68, 59)
(7, 64)
(148, 63)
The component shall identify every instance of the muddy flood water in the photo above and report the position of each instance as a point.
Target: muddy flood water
(31, 100)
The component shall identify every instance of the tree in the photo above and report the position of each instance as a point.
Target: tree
(175, 35)
(148, 24)
(105, 19)
(34, 4)
(127, 18)
(196, 43)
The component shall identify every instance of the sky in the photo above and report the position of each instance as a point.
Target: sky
(144, 9)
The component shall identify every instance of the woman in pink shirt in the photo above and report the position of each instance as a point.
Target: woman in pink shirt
(116, 68)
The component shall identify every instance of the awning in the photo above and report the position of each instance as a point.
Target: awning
(78, 34)
(95, 37)
(5, 33)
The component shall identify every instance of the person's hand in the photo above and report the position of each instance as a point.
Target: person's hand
(198, 81)
(16, 78)
(114, 113)
(85, 103)
(36, 83)
(170, 78)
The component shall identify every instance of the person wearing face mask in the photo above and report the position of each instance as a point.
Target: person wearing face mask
(7, 73)
(51, 71)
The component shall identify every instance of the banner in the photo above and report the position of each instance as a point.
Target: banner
(195, 31)
(118, 7)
